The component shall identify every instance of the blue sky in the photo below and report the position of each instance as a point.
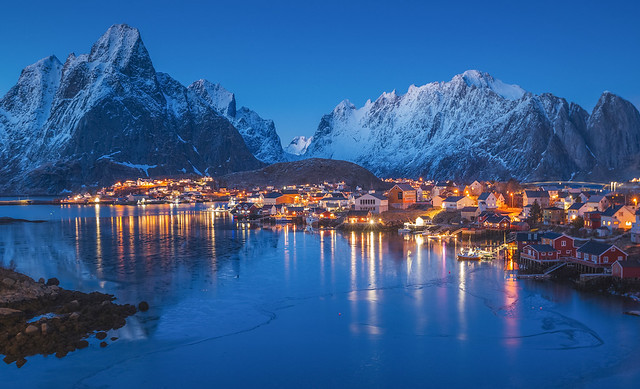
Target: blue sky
(293, 61)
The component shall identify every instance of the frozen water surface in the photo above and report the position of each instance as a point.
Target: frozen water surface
(284, 308)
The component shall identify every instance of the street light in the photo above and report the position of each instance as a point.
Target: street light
(511, 194)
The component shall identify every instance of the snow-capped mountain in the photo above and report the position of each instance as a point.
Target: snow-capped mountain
(259, 134)
(475, 126)
(299, 145)
(108, 115)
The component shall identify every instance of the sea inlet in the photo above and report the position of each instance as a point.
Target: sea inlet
(233, 306)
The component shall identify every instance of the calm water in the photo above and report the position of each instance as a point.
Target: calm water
(286, 308)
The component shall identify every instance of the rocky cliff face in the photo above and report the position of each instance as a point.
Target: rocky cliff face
(108, 115)
(259, 134)
(475, 126)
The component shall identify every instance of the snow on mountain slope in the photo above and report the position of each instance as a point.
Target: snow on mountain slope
(473, 126)
(299, 145)
(259, 134)
(61, 121)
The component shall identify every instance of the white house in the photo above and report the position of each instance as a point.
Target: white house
(635, 230)
(532, 196)
(454, 203)
(597, 203)
(374, 202)
(487, 200)
(476, 188)
(618, 217)
(437, 201)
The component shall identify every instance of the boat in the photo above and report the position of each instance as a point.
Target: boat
(311, 220)
(470, 254)
(404, 231)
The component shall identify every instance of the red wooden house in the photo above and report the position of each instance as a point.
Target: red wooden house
(562, 243)
(592, 220)
(542, 253)
(626, 269)
(597, 254)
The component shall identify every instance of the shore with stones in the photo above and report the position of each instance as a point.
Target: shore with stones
(40, 317)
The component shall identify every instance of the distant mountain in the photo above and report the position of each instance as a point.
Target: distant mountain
(259, 134)
(475, 126)
(108, 115)
(306, 171)
(298, 145)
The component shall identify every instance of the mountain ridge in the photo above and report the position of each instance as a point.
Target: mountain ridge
(475, 126)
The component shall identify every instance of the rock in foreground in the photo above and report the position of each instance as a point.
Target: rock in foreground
(38, 318)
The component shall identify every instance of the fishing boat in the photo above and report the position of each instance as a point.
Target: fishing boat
(470, 254)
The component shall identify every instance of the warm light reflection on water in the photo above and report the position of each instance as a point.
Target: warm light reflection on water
(380, 303)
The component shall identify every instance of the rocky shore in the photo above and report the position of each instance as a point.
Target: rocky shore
(38, 317)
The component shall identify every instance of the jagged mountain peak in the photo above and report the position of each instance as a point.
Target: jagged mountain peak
(476, 126)
(222, 100)
(122, 47)
(485, 80)
(108, 115)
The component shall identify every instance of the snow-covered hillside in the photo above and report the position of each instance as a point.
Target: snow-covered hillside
(108, 115)
(299, 145)
(259, 134)
(475, 126)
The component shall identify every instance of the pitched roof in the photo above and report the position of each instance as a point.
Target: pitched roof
(576, 206)
(527, 235)
(469, 209)
(551, 235)
(593, 247)
(405, 187)
(484, 195)
(497, 218)
(272, 195)
(629, 264)
(453, 199)
(611, 210)
(536, 193)
(376, 195)
(542, 247)
(595, 199)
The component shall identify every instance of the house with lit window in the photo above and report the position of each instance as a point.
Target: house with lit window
(541, 253)
(553, 216)
(597, 203)
(487, 200)
(574, 211)
(532, 196)
(635, 229)
(358, 217)
(470, 213)
(454, 203)
(402, 196)
(273, 198)
(526, 238)
(475, 189)
(374, 202)
(618, 217)
(495, 221)
(597, 254)
(562, 243)
(334, 200)
(592, 220)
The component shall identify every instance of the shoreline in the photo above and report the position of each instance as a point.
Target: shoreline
(38, 317)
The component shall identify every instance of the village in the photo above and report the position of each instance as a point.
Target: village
(592, 228)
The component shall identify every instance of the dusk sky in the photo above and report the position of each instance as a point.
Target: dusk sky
(294, 61)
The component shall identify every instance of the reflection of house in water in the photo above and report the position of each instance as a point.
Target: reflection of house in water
(157, 255)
